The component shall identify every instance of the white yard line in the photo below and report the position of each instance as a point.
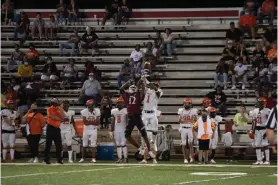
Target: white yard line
(208, 180)
(62, 172)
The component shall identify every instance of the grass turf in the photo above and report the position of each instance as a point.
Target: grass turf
(160, 174)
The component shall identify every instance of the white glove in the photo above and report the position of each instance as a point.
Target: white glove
(111, 135)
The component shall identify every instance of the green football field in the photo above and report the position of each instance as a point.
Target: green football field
(135, 174)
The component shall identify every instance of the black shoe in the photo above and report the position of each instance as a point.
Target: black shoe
(60, 162)
(46, 161)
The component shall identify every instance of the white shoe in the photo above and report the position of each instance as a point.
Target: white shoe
(36, 160)
(141, 151)
(225, 87)
(94, 160)
(70, 161)
(151, 154)
(81, 160)
(31, 160)
(191, 160)
(143, 162)
(234, 87)
(185, 161)
(266, 163)
(212, 161)
(258, 163)
(243, 87)
(154, 161)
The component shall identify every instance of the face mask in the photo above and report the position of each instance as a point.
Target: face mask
(239, 65)
(212, 115)
(186, 106)
(204, 117)
(91, 78)
(246, 13)
(230, 46)
(26, 63)
(49, 62)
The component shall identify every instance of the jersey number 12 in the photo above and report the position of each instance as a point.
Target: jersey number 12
(132, 100)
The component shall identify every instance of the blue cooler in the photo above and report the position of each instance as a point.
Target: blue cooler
(105, 151)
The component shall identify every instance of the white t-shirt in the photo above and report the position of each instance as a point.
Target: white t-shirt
(260, 116)
(240, 70)
(136, 55)
(11, 115)
(166, 38)
(151, 100)
(90, 116)
(216, 121)
(120, 119)
(65, 126)
(187, 116)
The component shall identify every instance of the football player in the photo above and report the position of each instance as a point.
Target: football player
(118, 125)
(187, 117)
(149, 116)
(66, 128)
(9, 120)
(91, 119)
(205, 104)
(259, 117)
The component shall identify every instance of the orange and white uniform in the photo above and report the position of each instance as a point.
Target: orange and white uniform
(120, 125)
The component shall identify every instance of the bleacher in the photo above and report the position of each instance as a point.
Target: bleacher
(200, 42)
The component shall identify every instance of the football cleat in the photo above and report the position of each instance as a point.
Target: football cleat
(125, 160)
(152, 154)
(81, 160)
(212, 161)
(154, 161)
(258, 163)
(266, 163)
(70, 161)
(31, 160)
(119, 161)
(46, 161)
(36, 160)
(94, 160)
(191, 160)
(185, 161)
(143, 162)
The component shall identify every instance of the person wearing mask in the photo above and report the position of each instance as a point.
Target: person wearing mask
(32, 55)
(50, 72)
(240, 74)
(35, 122)
(229, 52)
(247, 23)
(91, 119)
(55, 115)
(10, 119)
(125, 73)
(89, 41)
(16, 60)
(71, 44)
(38, 25)
(25, 71)
(136, 55)
(168, 42)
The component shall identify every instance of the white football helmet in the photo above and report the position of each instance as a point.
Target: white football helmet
(132, 89)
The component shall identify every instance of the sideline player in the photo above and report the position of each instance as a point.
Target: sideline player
(205, 104)
(214, 140)
(133, 98)
(9, 119)
(118, 125)
(187, 117)
(66, 128)
(149, 117)
(91, 118)
(259, 119)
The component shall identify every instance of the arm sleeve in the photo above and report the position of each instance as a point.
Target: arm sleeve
(271, 122)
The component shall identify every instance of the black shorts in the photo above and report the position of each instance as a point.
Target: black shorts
(203, 144)
(135, 120)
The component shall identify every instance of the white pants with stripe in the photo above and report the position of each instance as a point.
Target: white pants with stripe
(8, 139)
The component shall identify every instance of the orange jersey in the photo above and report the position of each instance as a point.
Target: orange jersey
(247, 20)
(32, 54)
(268, 6)
(272, 54)
(36, 123)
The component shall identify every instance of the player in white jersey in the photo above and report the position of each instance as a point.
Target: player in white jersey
(214, 140)
(67, 126)
(149, 116)
(118, 125)
(9, 119)
(187, 117)
(259, 119)
(91, 118)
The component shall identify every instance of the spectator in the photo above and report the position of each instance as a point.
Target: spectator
(247, 23)
(272, 53)
(229, 51)
(240, 74)
(105, 110)
(35, 122)
(233, 34)
(158, 40)
(71, 44)
(125, 73)
(221, 73)
(70, 72)
(90, 68)
(136, 55)
(51, 28)
(22, 101)
(258, 56)
(32, 55)
(10, 93)
(260, 73)
(111, 11)
(32, 90)
(168, 42)
(218, 100)
(263, 85)
(91, 89)
(270, 102)
(250, 6)
(270, 35)
(25, 71)
(242, 52)
(151, 54)
(272, 71)
(73, 12)
(89, 40)
(267, 9)
(14, 83)
(16, 60)
(61, 12)
(50, 72)
(124, 12)
(22, 26)
(7, 12)
(38, 25)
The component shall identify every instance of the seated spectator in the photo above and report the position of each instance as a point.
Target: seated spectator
(51, 28)
(242, 52)
(10, 93)
(22, 26)
(32, 91)
(61, 12)
(270, 102)
(218, 100)
(221, 73)
(25, 71)
(50, 72)
(151, 54)
(90, 68)
(71, 44)
(89, 41)
(272, 53)
(258, 56)
(250, 6)
(247, 23)
(91, 89)
(38, 26)
(105, 109)
(158, 40)
(229, 52)
(32, 55)
(111, 11)
(22, 101)
(14, 83)
(168, 43)
(263, 85)
(125, 73)
(124, 12)
(233, 34)
(272, 71)
(267, 9)
(270, 35)
(136, 55)
(16, 60)
(260, 73)
(70, 72)
(7, 12)
(240, 74)
(73, 12)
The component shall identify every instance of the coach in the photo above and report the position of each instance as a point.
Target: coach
(55, 114)
(271, 124)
